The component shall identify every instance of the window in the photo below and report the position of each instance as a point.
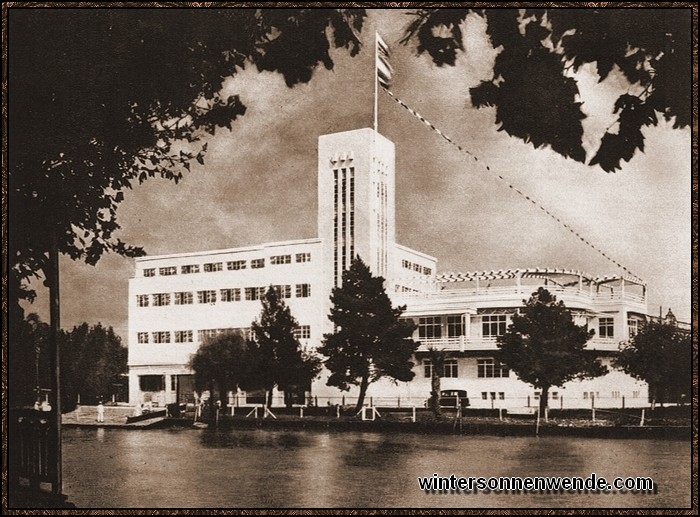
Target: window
(167, 271)
(405, 264)
(161, 299)
(231, 295)
(555, 395)
(303, 290)
(161, 337)
(606, 327)
(152, 382)
(635, 394)
(206, 296)
(283, 291)
(142, 300)
(280, 259)
(183, 298)
(206, 333)
(487, 368)
(183, 336)
(191, 268)
(501, 395)
(142, 337)
(257, 263)
(235, 265)
(151, 271)
(427, 271)
(450, 369)
(254, 293)
(429, 327)
(616, 394)
(302, 332)
(484, 395)
(493, 325)
(632, 326)
(428, 368)
(455, 326)
(212, 267)
(303, 257)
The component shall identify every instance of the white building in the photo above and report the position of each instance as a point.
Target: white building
(176, 300)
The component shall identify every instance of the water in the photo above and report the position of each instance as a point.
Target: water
(188, 468)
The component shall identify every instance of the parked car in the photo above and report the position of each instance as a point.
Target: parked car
(450, 398)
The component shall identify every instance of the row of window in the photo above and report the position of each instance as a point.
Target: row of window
(226, 295)
(233, 265)
(486, 368)
(412, 266)
(186, 336)
(494, 325)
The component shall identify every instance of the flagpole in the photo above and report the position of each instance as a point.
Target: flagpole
(376, 78)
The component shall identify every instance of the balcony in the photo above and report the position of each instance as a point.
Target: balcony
(513, 296)
(457, 344)
(464, 344)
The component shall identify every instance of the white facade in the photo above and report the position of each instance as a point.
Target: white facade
(176, 300)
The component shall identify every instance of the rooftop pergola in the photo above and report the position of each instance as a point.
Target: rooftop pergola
(557, 276)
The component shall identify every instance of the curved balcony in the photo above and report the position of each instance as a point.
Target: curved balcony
(465, 344)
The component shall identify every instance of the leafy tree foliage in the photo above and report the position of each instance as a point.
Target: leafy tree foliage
(93, 360)
(535, 95)
(92, 363)
(221, 364)
(101, 100)
(371, 340)
(28, 361)
(545, 348)
(661, 355)
(277, 355)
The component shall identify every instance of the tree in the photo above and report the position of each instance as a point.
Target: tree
(103, 99)
(437, 361)
(545, 348)
(371, 340)
(279, 359)
(661, 355)
(221, 364)
(533, 88)
(28, 362)
(93, 361)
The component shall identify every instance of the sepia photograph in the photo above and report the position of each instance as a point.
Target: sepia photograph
(358, 258)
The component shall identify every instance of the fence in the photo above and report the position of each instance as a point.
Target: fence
(33, 449)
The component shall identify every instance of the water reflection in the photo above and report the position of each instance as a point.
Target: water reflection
(210, 468)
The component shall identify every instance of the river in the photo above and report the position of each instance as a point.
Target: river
(233, 468)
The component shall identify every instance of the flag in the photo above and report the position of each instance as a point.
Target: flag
(384, 69)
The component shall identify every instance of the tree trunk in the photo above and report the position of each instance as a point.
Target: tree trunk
(363, 391)
(544, 399)
(435, 394)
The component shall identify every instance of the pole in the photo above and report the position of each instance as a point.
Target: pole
(376, 81)
(55, 315)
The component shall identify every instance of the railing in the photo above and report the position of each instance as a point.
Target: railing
(463, 343)
(523, 290)
(32, 448)
(458, 343)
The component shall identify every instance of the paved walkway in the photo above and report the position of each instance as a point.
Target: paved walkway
(115, 416)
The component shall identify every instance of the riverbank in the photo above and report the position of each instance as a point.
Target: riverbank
(467, 426)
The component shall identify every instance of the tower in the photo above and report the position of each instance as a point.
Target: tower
(356, 201)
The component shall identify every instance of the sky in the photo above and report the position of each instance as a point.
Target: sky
(258, 182)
